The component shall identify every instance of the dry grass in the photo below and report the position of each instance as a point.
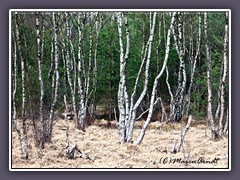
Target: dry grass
(102, 143)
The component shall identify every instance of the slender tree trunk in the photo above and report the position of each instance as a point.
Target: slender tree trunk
(225, 66)
(23, 89)
(82, 108)
(167, 77)
(51, 116)
(210, 115)
(52, 59)
(225, 131)
(177, 106)
(14, 84)
(110, 79)
(159, 42)
(98, 27)
(87, 87)
(170, 92)
(68, 62)
(188, 96)
(164, 114)
(40, 62)
(15, 126)
(122, 98)
(133, 107)
(65, 83)
(217, 113)
(142, 134)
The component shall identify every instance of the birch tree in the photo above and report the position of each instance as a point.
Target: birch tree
(177, 106)
(39, 57)
(24, 128)
(128, 107)
(123, 101)
(98, 27)
(81, 72)
(135, 105)
(153, 95)
(14, 116)
(193, 64)
(56, 77)
(14, 83)
(210, 115)
(223, 81)
(68, 46)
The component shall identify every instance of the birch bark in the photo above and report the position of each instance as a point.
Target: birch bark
(82, 108)
(122, 83)
(134, 106)
(68, 63)
(39, 57)
(25, 136)
(15, 126)
(177, 106)
(188, 96)
(142, 134)
(51, 115)
(210, 115)
(225, 69)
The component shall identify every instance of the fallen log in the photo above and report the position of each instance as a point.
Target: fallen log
(70, 152)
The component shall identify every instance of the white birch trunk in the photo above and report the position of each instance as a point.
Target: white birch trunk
(188, 96)
(68, 63)
(210, 115)
(141, 136)
(180, 143)
(51, 115)
(122, 83)
(52, 59)
(81, 109)
(87, 87)
(15, 126)
(159, 42)
(98, 28)
(134, 107)
(170, 92)
(225, 69)
(65, 82)
(225, 131)
(39, 56)
(25, 137)
(14, 85)
(177, 104)
(217, 113)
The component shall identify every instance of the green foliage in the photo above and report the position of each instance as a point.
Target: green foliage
(108, 57)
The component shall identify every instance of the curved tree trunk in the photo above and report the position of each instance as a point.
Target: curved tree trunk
(141, 136)
(133, 107)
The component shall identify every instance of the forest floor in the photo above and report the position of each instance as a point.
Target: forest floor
(101, 142)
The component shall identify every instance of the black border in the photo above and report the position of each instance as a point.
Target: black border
(142, 4)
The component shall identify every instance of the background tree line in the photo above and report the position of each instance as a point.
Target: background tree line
(128, 63)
